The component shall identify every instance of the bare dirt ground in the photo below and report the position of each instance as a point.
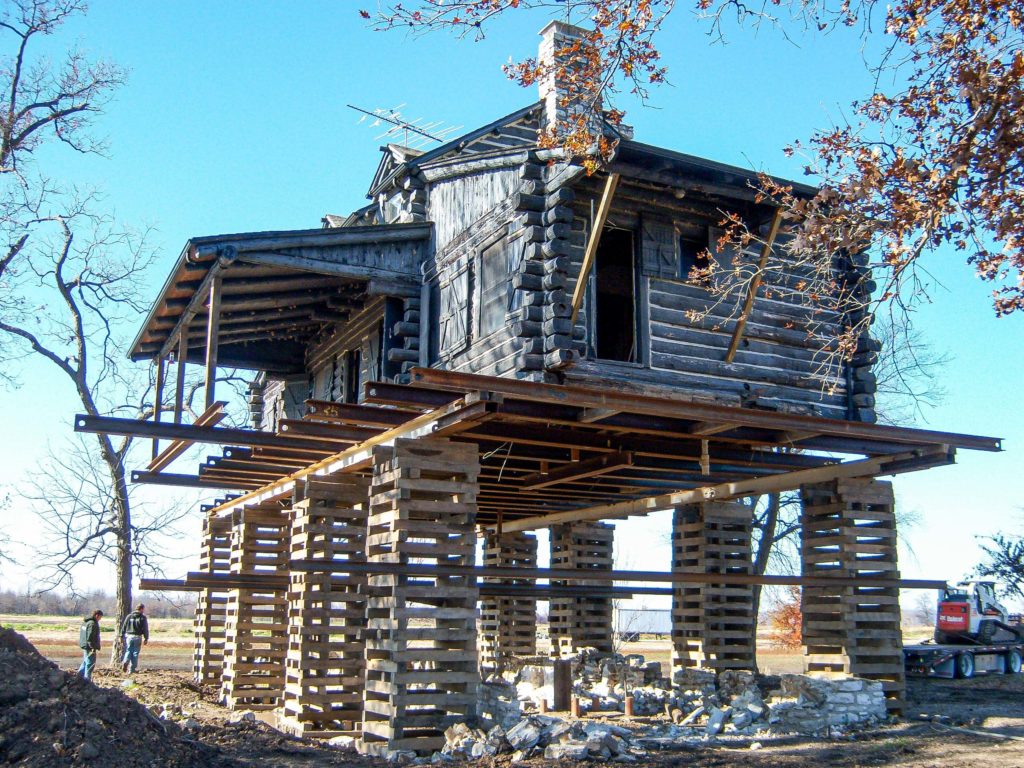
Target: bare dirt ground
(992, 705)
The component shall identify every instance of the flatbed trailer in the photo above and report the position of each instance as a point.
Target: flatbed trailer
(962, 661)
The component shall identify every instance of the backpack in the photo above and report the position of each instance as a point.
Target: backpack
(134, 623)
(84, 634)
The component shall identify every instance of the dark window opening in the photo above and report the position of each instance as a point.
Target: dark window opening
(693, 255)
(494, 289)
(352, 361)
(615, 297)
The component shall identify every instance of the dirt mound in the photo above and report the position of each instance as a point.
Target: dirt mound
(49, 717)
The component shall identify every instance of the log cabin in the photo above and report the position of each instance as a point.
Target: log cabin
(498, 343)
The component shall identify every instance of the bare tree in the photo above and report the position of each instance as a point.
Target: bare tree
(69, 278)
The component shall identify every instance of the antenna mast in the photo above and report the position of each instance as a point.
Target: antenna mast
(414, 133)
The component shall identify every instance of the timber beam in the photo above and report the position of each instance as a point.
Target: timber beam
(217, 435)
(785, 481)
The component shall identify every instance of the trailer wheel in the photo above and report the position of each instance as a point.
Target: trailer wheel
(965, 665)
(1013, 663)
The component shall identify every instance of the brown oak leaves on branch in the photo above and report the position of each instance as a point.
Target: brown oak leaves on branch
(934, 162)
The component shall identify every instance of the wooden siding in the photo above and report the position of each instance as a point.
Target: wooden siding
(454, 205)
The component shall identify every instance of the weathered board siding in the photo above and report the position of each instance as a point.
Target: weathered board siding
(454, 205)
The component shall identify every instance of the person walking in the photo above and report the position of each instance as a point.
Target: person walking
(89, 642)
(136, 632)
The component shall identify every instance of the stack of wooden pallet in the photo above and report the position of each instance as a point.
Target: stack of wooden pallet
(508, 625)
(712, 624)
(257, 616)
(849, 529)
(211, 605)
(323, 692)
(581, 622)
(421, 661)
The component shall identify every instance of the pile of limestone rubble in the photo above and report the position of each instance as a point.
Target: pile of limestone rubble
(694, 706)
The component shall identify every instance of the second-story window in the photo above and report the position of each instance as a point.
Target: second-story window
(494, 289)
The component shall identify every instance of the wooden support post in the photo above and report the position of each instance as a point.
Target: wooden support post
(712, 624)
(849, 529)
(257, 617)
(595, 239)
(421, 660)
(158, 399)
(211, 604)
(581, 622)
(179, 383)
(212, 333)
(748, 302)
(508, 624)
(323, 692)
(562, 685)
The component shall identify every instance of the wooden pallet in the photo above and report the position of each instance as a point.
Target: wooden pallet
(257, 618)
(421, 658)
(324, 665)
(211, 605)
(508, 625)
(581, 622)
(712, 624)
(850, 530)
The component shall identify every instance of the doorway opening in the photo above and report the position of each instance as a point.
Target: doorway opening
(615, 297)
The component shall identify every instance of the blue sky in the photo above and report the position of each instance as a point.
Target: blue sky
(234, 120)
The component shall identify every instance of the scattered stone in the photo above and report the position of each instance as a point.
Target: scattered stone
(716, 720)
(344, 743)
(524, 735)
(569, 751)
(244, 716)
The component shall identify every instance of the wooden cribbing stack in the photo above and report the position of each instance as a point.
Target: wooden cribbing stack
(581, 622)
(257, 616)
(508, 624)
(712, 624)
(323, 692)
(849, 530)
(211, 604)
(421, 660)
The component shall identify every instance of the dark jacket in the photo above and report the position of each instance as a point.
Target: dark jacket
(89, 635)
(136, 623)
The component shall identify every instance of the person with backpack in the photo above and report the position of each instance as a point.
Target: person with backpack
(136, 632)
(89, 642)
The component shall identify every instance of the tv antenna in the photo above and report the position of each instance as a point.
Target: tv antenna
(415, 133)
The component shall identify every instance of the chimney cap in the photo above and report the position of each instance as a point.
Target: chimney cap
(555, 27)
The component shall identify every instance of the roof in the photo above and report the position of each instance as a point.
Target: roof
(278, 289)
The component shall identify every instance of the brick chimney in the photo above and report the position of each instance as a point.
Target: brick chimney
(556, 36)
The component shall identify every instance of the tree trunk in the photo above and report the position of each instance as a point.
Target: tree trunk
(123, 558)
(761, 557)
